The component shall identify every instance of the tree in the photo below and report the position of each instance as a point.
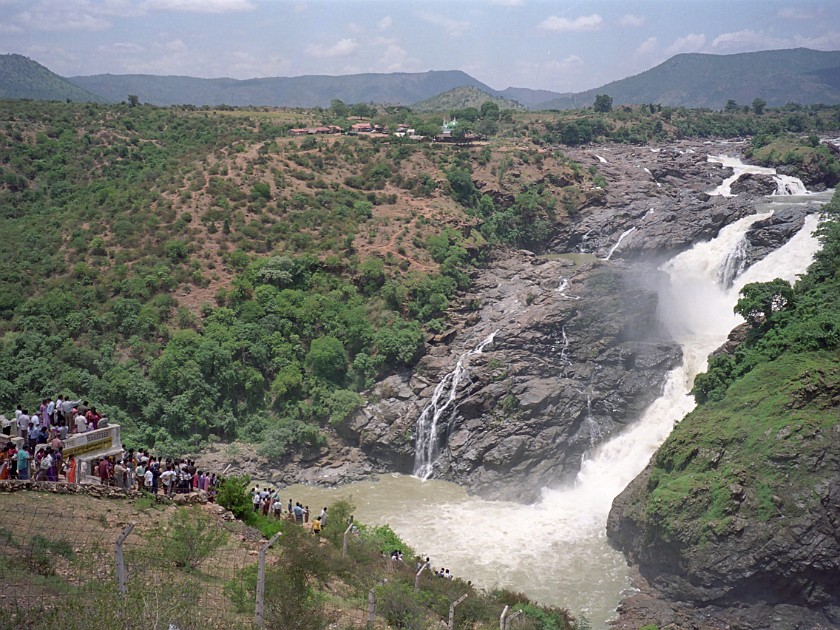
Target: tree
(327, 359)
(760, 300)
(339, 109)
(490, 110)
(133, 100)
(603, 103)
(731, 106)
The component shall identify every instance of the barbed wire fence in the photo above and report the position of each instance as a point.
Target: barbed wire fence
(83, 566)
(63, 567)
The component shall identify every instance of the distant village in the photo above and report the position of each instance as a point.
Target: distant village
(401, 131)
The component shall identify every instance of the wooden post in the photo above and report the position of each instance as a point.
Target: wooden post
(344, 543)
(371, 608)
(511, 618)
(502, 618)
(118, 553)
(452, 610)
(417, 577)
(259, 611)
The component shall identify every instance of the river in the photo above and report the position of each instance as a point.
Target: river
(555, 550)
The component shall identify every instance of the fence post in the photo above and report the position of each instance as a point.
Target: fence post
(344, 543)
(510, 619)
(452, 610)
(417, 578)
(259, 611)
(502, 618)
(371, 608)
(118, 554)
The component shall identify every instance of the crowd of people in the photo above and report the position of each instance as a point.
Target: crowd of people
(54, 421)
(268, 503)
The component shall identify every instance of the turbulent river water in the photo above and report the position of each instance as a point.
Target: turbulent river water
(555, 550)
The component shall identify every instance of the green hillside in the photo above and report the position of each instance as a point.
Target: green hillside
(20, 77)
(461, 98)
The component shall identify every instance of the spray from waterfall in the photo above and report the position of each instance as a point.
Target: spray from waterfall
(426, 450)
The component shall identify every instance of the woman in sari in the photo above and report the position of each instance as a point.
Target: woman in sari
(71, 469)
(4, 462)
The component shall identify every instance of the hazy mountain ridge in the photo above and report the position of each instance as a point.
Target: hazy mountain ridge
(401, 88)
(687, 80)
(779, 77)
(21, 77)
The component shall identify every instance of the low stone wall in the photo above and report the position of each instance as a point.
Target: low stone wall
(97, 491)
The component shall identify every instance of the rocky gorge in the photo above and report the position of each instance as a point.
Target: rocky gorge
(550, 355)
(577, 350)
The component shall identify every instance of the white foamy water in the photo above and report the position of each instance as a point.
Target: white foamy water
(785, 184)
(556, 550)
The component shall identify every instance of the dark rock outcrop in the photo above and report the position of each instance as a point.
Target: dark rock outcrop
(566, 368)
(765, 552)
(769, 234)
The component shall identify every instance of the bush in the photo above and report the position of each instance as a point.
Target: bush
(192, 537)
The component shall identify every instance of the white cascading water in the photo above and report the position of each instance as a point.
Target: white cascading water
(562, 537)
(443, 398)
(786, 185)
(617, 244)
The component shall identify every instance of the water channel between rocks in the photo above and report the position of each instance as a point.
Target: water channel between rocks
(556, 549)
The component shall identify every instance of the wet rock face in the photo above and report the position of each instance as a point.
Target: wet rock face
(769, 234)
(565, 370)
(662, 193)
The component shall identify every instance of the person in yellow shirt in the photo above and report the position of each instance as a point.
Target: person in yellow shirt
(316, 526)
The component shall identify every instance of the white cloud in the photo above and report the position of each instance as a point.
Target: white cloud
(561, 24)
(341, 48)
(632, 21)
(10, 28)
(508, 3)
(829, 40)
(572, 62)
(746, 39)
(646, 47)
(453, 28)
(689, 43)
(385, 23)
(202, 6)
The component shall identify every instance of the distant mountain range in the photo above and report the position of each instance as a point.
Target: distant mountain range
(690, 80)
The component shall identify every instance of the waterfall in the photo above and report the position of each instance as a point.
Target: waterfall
(733, 265)
(564, 352)
(785, 184)
(501, 543)
(624, 235)
(594, 430)
(443, 399)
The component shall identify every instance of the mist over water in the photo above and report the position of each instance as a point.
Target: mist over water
(556, 550)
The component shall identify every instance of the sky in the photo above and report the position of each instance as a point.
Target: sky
(555, 45)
